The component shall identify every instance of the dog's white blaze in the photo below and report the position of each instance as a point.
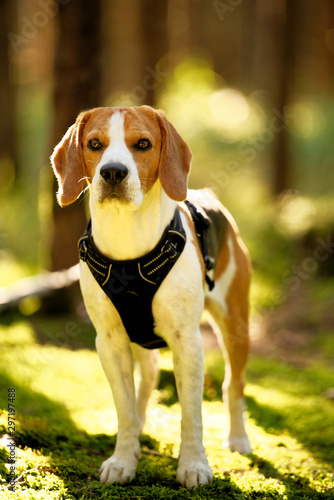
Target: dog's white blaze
(117, 151)
(228, 275)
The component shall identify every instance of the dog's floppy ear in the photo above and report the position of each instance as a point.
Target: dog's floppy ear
(175, 160)
(68, 162)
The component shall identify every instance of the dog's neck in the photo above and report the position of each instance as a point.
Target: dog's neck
(122, 233)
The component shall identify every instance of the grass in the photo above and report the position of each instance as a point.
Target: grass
(65, 421)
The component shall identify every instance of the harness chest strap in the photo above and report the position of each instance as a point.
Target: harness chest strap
(132, 284)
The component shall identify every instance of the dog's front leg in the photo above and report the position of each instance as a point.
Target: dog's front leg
(117, 363)
(188, 360)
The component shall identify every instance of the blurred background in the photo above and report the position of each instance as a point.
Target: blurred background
(248, 83)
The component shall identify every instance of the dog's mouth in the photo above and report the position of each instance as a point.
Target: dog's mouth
(112, 194)
(118, 194)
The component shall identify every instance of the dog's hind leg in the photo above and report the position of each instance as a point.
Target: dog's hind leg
(149, 372)
(228, 305)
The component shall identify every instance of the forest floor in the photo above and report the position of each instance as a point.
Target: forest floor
(65, 421)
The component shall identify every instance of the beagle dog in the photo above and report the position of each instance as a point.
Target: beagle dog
(136, 166)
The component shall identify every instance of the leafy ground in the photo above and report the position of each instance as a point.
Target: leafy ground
(65, 422)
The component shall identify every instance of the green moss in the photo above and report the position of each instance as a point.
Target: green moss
(65, 427)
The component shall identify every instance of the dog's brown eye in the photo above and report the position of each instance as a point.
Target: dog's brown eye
(143, 144)
(94, 144)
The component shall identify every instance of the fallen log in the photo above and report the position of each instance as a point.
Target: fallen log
(41, 285)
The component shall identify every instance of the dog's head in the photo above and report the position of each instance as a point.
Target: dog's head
(121, 152)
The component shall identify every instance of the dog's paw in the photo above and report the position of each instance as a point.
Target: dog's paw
(240, 444)
(115, 470)
(192, 474)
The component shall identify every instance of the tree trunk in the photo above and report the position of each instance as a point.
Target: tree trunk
(154, 15)
(121, 52)
(286, 62)
(273, 69)
(7, 127)
(77, 78)
(179, 12)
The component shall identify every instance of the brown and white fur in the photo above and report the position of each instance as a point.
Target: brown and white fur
(129, 213)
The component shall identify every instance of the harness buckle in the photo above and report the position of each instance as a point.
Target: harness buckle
(209, 262)
(170, 247)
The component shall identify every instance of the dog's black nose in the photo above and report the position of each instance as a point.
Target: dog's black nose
(114, 173)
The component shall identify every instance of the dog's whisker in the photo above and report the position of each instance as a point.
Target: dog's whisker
(149, 198)
(87, 188)
(84, 193)
(85, 179)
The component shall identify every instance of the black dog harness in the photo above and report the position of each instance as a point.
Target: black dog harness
(132, 284)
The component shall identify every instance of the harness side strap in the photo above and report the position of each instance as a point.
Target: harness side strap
(202, 223)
